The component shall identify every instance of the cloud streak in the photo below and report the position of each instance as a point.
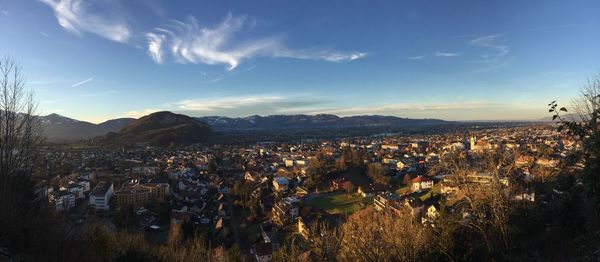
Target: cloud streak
(493, 42)
(445, 54)
(190, 43)
(226, 103)
(82, 82)
(75, 16)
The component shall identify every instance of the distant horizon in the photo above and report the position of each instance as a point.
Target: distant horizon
(541, 119)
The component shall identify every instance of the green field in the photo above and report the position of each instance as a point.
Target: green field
(340, 203)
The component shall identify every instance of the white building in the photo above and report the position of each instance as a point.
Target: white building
(84, 183)
(100, 196)
(76, 189)
(62, 200)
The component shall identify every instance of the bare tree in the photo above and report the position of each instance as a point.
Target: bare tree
(585, 127)
(484, 189)
(20, 135)
(369, 235)
(21, 215)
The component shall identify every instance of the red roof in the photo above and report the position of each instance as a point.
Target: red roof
(420, 179)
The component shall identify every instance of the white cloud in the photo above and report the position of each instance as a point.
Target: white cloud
(494, 42)
(140, 113)
(226, 103)
(445, 54)
(82, 82)
(419, 57)
(75, 17)
(155, 46)
(189, 42)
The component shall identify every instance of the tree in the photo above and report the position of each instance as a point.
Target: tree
(23, 214)
(348, 186)
(340, 163)
(487, 203)
(369, 235)
(584, 125)
(376, 172)
(212, 166)
(407, 180)
(317, 169)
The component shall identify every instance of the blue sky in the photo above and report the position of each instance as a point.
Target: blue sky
(455, 60)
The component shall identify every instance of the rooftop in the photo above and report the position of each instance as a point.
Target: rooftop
(101, 189)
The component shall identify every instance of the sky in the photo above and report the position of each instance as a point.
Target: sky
(96, 60)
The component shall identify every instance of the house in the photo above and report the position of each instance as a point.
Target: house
(431, 213)
(301, 191)
(370, 190)
(548, 162)
(414, 204)
(385, 201)
(303, 228)
(249, 177)
(420, 183)
(101, 195)
(280, 184)
(523, 160)
(263, 252)
(284, 213)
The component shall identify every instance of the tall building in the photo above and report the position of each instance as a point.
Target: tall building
(101, 195)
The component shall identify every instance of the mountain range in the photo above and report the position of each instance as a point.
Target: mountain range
(57, 127)
(320, 121)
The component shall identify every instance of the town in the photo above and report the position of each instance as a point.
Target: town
(258, 196)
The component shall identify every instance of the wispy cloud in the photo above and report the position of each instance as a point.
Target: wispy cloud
(493, 42)
(75, 16)
(226, 103)
(445, 54)
(83, 82)
(189, 42)
(418, 57)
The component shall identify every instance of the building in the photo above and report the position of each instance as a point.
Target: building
(76, 189)
(263, 252)
(101, 195)
(62, 200)
(420, 183)
(284, 213)
(280, 184)
(158, 191)
(85, 184)
(384, 201)
(370, 190)
(303, 228)
(138, 196)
